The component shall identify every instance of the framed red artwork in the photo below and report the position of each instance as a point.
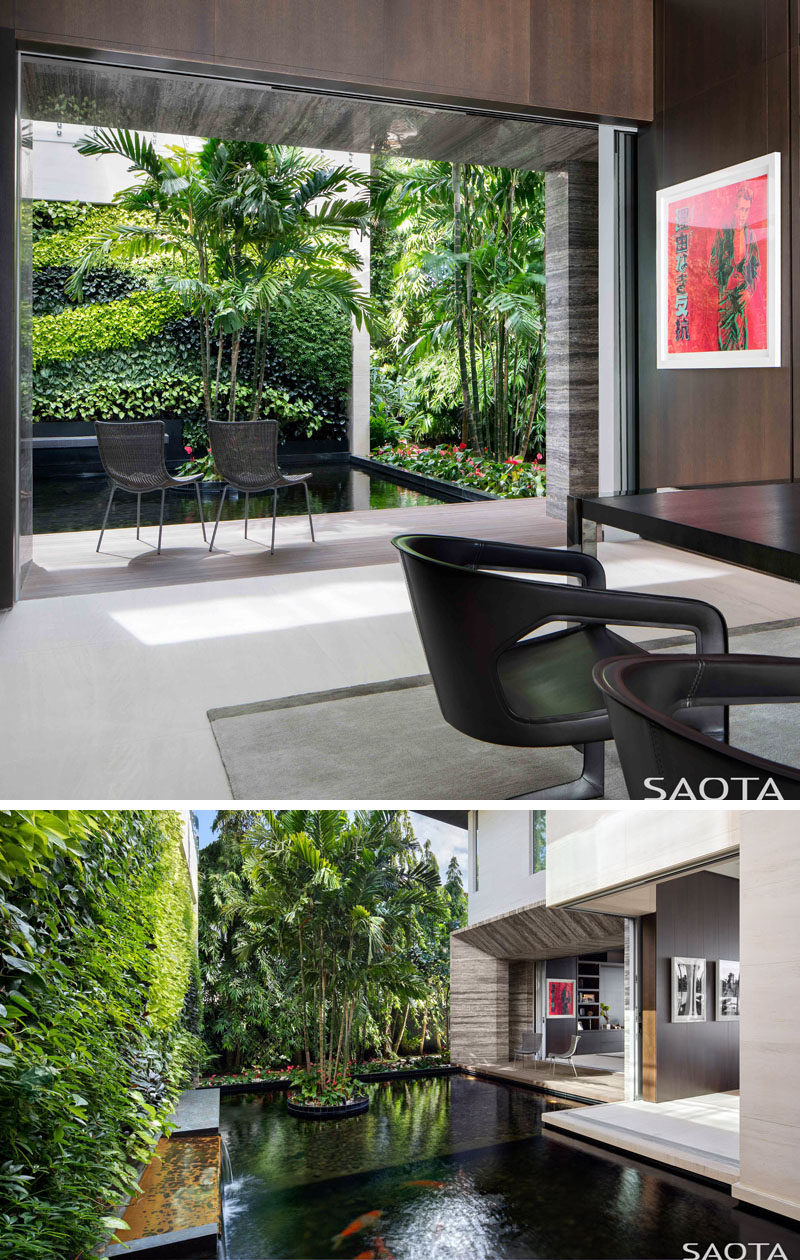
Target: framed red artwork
(560, 999)
(718, 261)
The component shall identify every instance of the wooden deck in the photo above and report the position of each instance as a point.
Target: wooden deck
(589, 1086)
(67, 564)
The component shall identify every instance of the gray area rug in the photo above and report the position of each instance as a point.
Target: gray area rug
(388, 741)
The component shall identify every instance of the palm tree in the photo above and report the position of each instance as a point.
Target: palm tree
(242, 227)
(470, 280)
(338, 897)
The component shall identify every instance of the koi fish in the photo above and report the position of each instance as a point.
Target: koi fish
(431, 1185)
(366, 1255)
(355, 1227)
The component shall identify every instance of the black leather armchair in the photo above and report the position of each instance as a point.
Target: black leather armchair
(474, 610)
(657, 704)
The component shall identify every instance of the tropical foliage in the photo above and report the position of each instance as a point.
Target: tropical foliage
(104, 357)
(247, 226)
(98, 1015)
(324, 940)
(459, 266)
(511, 479)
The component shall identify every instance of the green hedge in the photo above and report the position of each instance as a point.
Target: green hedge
(98, 930)
(101, 326)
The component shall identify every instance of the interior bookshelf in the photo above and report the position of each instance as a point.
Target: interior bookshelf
(588, 1003)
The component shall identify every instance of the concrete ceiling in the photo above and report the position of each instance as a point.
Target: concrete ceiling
(536, 932)
(642, 899)
(189, 105)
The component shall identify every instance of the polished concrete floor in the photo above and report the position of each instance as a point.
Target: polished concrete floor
(107, 691)
(697, 1135)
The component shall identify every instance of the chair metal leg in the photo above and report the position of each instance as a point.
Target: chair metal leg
(308, 509)
(138, 514)
(219, 514)
(200, 510)
(274, 514)
(160, 524)
(575, 1070)
(589, 787)
(105, 518)
(246, 510)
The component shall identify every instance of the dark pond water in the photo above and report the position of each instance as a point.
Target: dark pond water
(61, 504)
(499, 1188)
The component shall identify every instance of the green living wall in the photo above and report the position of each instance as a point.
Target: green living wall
(127, 351)
(98, 1016)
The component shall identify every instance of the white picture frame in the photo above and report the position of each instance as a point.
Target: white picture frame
(727, 989)
(689, 998)
(731, 178)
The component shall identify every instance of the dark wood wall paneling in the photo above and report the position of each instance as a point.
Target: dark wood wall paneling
(696, 917)
(586, 57)
(559, 1031)
(722, 95)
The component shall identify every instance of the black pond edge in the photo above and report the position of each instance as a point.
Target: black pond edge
(254, 1087)
(354, 1108)
(435, 487)
(270, 1087)
(447, 1069)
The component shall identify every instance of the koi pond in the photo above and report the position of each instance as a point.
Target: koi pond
(65, 503)
(454, 1168)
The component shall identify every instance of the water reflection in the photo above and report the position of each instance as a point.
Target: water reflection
(61, 504)
(453, 1167)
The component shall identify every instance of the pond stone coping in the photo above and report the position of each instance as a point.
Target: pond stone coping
(197, 1113)
(197, 1243)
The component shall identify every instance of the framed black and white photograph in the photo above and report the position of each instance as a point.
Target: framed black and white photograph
(727, 989)
(688, 990)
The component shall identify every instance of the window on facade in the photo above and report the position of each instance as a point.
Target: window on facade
(474, 840)
(538, 841)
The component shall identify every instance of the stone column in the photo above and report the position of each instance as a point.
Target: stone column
(572, 341)
(360, 385)
(478, 1005)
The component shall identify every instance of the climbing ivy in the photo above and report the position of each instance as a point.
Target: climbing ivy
(97, 928)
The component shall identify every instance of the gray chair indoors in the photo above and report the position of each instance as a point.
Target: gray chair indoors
(529, 1046)
(567, 1057)
(246, 457)
(132, 454)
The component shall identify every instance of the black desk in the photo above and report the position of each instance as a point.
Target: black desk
(754, 525)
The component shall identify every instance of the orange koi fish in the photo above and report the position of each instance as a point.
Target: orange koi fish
(366, 1255)
(355, 1227)
(431, 1185)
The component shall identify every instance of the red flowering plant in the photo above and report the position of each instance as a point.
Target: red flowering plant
(315, 1089)
(513, 478)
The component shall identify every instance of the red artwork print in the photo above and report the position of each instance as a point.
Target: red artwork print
(717, 269)
(560, 997)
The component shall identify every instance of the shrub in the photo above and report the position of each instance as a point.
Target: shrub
(511, 479)
(92, 1047)
(106, 284)
(103, 326)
